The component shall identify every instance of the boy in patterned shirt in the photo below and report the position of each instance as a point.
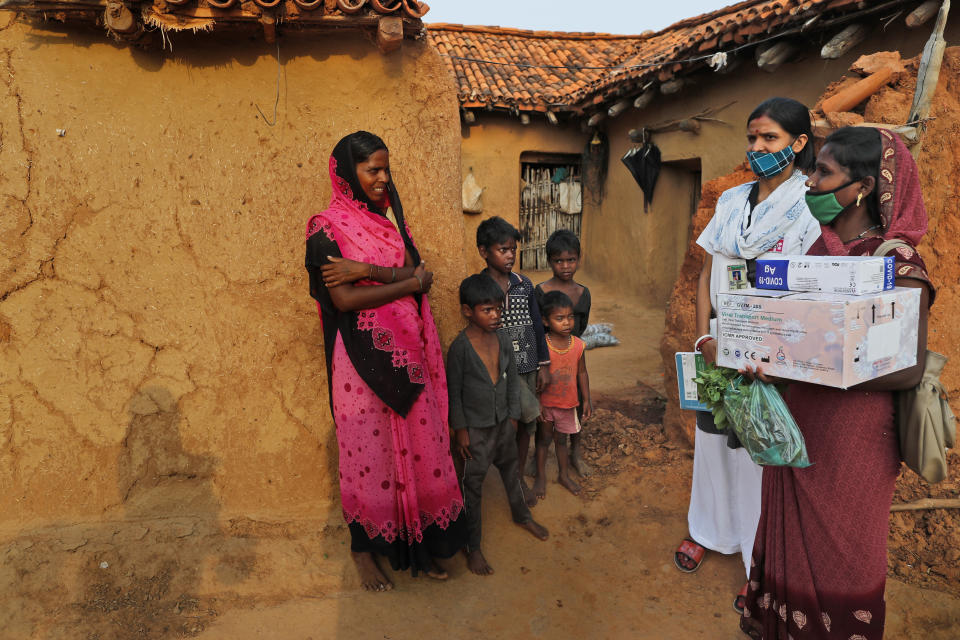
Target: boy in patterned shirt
(521, 323)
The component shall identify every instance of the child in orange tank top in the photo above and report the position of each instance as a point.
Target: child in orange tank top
(559, 398)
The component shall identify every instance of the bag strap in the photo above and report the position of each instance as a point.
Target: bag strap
(887, 245)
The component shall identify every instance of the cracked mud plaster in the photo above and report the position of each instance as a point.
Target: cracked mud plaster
(17, 264)
(152, 263)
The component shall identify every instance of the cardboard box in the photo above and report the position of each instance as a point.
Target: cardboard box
(852, 275)
(823, 338)
(689, 365)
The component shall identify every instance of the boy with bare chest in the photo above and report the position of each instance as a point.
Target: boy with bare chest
(484, 391)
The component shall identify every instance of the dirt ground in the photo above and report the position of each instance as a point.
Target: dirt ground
(606, 571)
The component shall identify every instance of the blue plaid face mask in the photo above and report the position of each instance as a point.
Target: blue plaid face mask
(767, 165)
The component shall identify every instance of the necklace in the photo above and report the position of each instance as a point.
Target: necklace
(561, 351)
(862, 233)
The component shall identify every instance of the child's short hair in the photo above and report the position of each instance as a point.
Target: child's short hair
(480, 289)
(495, 230)
(562, 240)
(554, 300)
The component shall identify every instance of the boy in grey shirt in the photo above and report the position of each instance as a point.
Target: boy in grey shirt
(484, 393)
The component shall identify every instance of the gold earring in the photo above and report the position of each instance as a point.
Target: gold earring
(859, 198)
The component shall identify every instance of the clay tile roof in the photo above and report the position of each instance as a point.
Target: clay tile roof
(524, 70)
(543, 69)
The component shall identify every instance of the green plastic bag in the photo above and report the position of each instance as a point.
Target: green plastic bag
(764, 425)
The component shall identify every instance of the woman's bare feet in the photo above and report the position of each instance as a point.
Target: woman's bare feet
(371, 577)
(569, 484)
(528, 496)
(536, 529)
(436, 571)
(478, 564)
(540, 487)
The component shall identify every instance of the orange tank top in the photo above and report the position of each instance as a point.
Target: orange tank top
(561, 393)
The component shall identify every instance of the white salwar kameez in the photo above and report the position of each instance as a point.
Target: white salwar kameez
(725, 494)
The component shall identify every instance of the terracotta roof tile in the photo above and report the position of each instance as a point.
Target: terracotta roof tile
(538, 70)
(554, 60)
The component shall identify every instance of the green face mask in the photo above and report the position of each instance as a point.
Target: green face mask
(824, 204)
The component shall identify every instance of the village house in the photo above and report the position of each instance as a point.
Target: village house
(159, 352)
(546, 108)
(110, 317)
(167, 456)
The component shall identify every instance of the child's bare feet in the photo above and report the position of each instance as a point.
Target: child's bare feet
(540, 487)
(582, 468)
(536, 529)
(436, 571)
(371, 577)
(478, 564)
(528, 496)
(569, 484)
(531, 469)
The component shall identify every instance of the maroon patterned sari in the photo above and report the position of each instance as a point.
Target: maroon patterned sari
(819, 561)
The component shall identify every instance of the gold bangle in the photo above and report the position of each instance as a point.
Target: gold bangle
(370, 275)
(420, 280)
(393, 274)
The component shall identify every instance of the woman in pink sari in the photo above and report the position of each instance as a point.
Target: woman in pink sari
(819, 562)
(387, 384)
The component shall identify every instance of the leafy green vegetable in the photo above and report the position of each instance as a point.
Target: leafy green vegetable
(756, 413)
(713, 383)
(765, 427)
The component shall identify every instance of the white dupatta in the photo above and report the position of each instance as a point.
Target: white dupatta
(772, 219)
(781, 224)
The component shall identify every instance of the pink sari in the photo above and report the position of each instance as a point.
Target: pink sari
(387, 383)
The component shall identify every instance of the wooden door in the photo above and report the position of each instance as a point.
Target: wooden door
(540, 210)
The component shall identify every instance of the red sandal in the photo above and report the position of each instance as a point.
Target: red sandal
(689, 553)
(741, 600)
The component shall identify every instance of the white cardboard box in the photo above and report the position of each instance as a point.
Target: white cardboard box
(829, 339)
(851, 275)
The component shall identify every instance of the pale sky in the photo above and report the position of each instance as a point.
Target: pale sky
(608, 16)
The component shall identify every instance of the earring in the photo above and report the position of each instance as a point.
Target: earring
(859, 198)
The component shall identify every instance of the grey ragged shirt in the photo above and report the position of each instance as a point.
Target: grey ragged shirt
(475, 401)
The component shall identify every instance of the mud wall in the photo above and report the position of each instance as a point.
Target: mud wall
(492, 148)
(159, 353)
(939, 170)
(644, 249)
